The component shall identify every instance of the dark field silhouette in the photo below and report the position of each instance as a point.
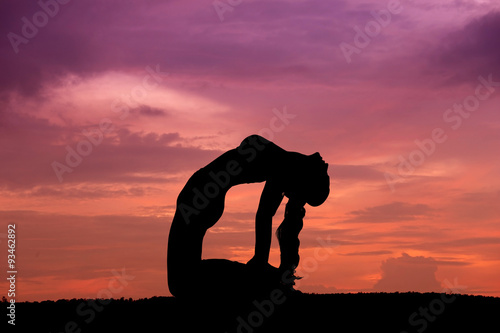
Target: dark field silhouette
(278, 312)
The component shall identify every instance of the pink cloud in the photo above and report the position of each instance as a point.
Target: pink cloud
(407, 273)
(392, 212)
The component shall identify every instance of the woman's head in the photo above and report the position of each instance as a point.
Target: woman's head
(308, 179)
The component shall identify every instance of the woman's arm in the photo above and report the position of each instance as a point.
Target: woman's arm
(270, 200)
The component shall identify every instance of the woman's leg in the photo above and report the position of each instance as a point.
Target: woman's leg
(231, 279)
(183, 257)
(222, 276)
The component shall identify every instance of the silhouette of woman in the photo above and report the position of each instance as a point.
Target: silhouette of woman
(200, 204)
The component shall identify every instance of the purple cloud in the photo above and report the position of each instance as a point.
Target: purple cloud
(471, 51)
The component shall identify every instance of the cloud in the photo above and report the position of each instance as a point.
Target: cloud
(393, 212)
(444, 262)
(407, 273)
(474, 241)
(87, 248)
(253, 45)
(366, 253)
(32, 144)
(358, 172)
(94, 191)
(471, 51)
(148, 111)
(261, 42)
(475, 206)
(462, 245)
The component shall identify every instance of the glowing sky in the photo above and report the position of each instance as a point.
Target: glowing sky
(107, 108)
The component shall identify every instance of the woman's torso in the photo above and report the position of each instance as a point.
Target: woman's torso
(202, 198)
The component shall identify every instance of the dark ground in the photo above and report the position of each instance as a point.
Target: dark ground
(364, 312)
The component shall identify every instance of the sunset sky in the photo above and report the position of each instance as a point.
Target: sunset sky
(108, 107)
